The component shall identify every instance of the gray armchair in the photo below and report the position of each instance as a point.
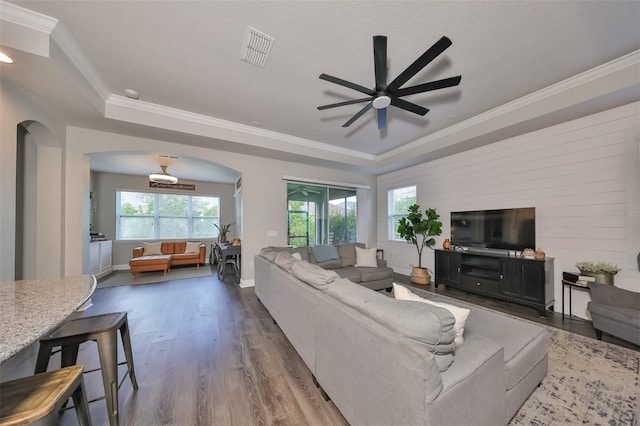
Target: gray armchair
(615, 311)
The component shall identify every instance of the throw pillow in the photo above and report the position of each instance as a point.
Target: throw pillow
(460, 314)
(366, 257)
(285, 260)
(192, 247)
(296, 256)
(323, 252)
(151, 249)
(347, 253)
(313, 274)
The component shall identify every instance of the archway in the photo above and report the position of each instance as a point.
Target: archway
(38, 244)
(113, 172)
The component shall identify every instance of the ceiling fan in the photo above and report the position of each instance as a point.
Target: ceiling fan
(383, 94)
(303, 190)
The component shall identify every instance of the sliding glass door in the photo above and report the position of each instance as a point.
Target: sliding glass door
(318, 214)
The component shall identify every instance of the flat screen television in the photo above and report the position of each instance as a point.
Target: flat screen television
(508, 229)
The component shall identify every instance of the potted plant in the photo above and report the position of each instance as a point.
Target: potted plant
(603, 272)
(420, 230)
(223, 230)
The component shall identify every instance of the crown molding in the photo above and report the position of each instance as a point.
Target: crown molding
(79, 60)
(158, 113)
(624, 63)
(27, 18)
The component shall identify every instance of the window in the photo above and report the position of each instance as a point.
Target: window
(399, 201)
(320, 214)
(142, 215)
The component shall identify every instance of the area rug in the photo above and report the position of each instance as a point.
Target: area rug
(124, 277)
(589, 382)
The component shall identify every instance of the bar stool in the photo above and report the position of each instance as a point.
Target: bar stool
(103, 330)
(33, 398)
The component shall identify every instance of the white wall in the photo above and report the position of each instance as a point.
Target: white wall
(583, 178)
(263, 191)
(16, 109)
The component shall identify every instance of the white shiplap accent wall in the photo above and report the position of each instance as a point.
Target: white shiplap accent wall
(582, 176)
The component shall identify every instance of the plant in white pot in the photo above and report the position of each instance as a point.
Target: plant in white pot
(223, 230)
(420, 230)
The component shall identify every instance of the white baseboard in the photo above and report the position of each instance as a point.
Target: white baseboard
(247, 283)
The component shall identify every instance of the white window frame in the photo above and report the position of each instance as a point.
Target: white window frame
(157, 216)
(392, 233)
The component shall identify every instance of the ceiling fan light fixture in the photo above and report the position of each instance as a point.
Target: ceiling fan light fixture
(381, 102)
(163, 177)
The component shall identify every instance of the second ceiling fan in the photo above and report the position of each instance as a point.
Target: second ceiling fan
(383, 94)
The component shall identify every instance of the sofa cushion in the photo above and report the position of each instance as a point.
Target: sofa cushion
(182, 256)
(461, 314)
(269, 253)
(192, 247)
(313, 274)
(366, 257)
(152, 249)
(375, 274)
(428, 324)
(285, 260)
(347, 253)
(350, 273)
(524, 344)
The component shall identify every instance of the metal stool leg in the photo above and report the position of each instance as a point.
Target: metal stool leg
(81, 404)
(69, 355)
(42, 362)
(128, 353)
(108, 351)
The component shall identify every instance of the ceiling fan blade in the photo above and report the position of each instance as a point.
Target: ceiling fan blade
(358, 114)
(408, 106)
(339, 104)
(348, 84)
(426, 87)
(380, 61)
(382, 118)
(424, 59)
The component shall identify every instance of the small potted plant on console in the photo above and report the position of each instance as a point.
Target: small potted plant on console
(603, 272)
(420, 230)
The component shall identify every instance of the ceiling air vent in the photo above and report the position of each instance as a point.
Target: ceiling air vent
(256, 47)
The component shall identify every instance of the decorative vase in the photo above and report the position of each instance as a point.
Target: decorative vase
(446, 244)
(420, 276)
(601, 277)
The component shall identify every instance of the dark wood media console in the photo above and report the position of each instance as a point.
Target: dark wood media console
(525, 281)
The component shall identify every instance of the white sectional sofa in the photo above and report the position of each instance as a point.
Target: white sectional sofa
(388, 361)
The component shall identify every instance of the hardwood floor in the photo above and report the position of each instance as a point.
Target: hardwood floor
(207, 352)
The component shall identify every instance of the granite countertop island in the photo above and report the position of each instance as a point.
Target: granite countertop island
(30, 308)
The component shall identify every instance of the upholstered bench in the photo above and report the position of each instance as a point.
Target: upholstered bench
(160, 262)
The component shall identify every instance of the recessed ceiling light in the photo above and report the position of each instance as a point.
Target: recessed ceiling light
(131, 94)
(5, 58)
(256, 123)
(453, 117)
